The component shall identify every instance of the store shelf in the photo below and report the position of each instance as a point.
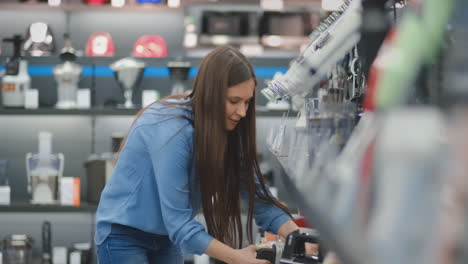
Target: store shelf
(134, 7)
(256, 3)
(19, 207)
(78, 7)
(264, 61)
(101, 111)
(52, 111)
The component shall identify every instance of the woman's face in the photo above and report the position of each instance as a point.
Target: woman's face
(238, 98)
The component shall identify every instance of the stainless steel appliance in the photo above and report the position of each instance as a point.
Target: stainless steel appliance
(17, 249)
(46, 243)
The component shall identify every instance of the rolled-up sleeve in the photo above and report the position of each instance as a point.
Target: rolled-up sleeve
(172, 166)
(268, 216)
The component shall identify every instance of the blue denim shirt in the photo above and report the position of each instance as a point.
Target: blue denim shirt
(153, 189)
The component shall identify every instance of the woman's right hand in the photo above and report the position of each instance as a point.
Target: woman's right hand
(248, 255)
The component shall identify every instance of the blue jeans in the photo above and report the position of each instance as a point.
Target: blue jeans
(129, 245)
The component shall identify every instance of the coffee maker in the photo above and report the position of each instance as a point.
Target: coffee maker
(128, 72)
(99, 168)
(16, 81)
(44, 171)
(67, 76)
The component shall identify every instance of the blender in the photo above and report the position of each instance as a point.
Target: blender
(16, 81)
(44, 170)
(128, 72)
(67, 76)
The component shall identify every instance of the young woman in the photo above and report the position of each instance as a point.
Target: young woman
(185, 153)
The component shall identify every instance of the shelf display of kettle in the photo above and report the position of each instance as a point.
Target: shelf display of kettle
(67, 76)
(44, 171)
(128, 72)
(16, 81)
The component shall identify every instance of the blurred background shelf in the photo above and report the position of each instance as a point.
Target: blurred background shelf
(103, 111)
(19, 207)
(77, 6)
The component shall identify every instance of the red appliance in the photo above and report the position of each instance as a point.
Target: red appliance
(150, 46)
(100, 44)
(300, 221)
(96, 2)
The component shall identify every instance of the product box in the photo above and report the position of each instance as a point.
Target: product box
(70, 191)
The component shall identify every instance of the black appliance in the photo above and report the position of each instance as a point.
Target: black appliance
(294, 250)
(288, 30)
(237, 27)
(225, 23)
(286, 24)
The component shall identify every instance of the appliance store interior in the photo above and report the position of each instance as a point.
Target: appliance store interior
(359, 130)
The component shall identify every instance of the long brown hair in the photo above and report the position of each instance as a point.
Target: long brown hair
(226, 162)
